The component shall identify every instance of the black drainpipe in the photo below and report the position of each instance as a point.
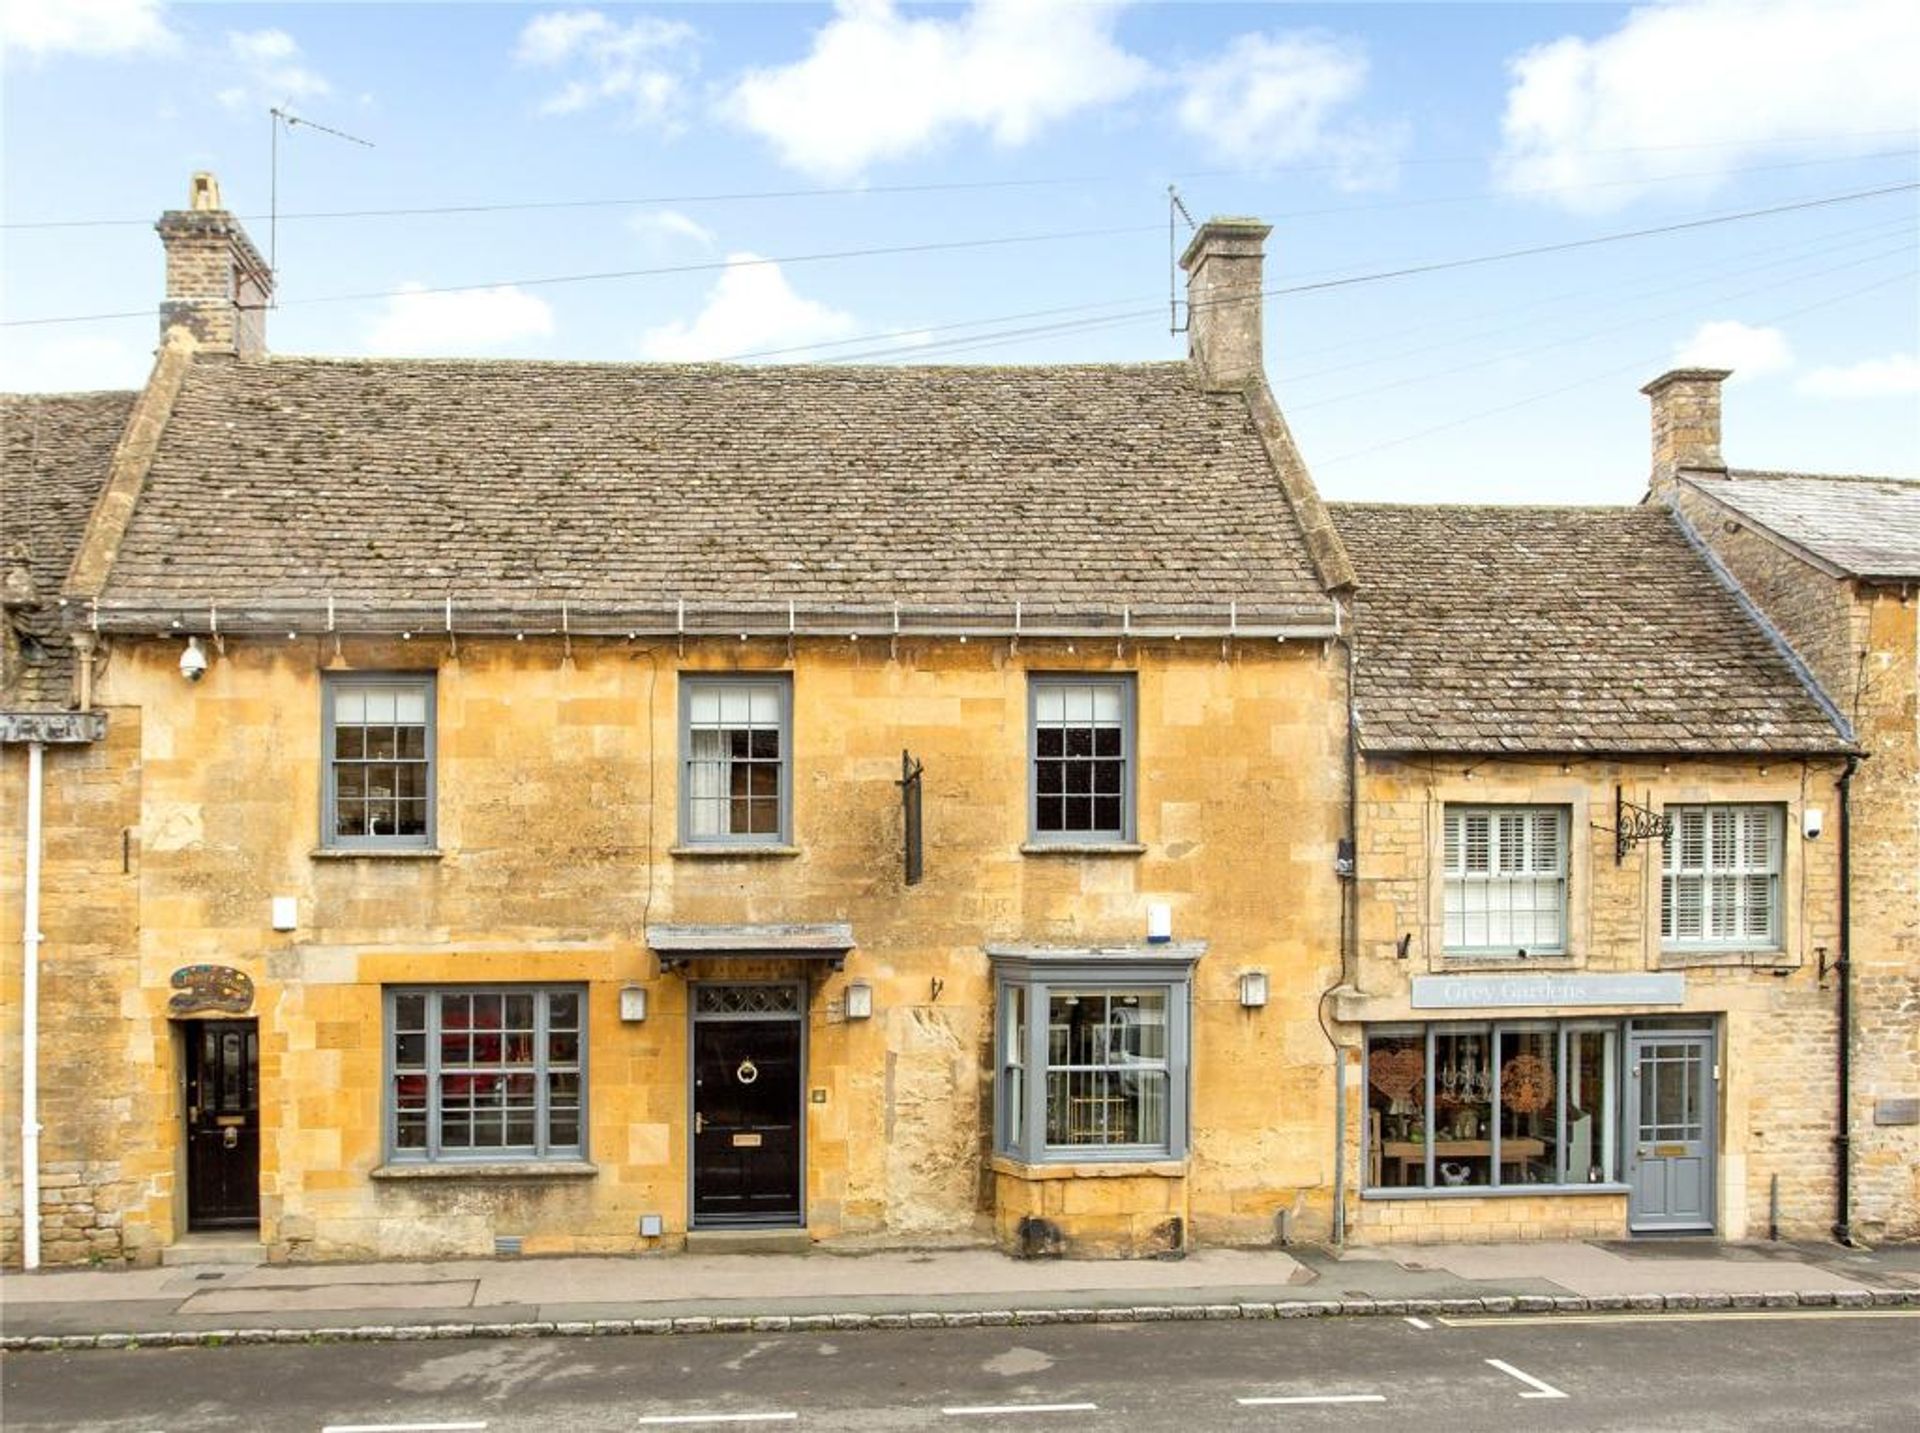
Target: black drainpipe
(1843, 1141)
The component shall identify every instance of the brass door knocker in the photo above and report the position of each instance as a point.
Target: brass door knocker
(747, 1073)
(230, 1138)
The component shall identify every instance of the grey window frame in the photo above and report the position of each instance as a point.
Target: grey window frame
(1775, 939)
(1128, 687)
(330, 685)
(1563, 815)
(1037, 974)
(1608, 1123)
(781, 683)
(543, 1151)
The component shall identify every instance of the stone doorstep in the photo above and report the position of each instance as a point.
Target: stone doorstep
(972, 1318)
(749, 1241)
(240, 1248)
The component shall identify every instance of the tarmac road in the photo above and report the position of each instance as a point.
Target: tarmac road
(1840, 1369)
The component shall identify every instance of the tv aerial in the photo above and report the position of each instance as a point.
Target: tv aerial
(279, 117)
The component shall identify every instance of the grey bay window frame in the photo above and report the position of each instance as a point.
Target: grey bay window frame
(1609, 1123)
(332, 685)
(780, 684)
(1126, 686)
(542, 1150)
(1025, 981)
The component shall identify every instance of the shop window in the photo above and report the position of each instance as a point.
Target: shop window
(479, 1074)
(379, 738)
(1082, 746)
(1506, 880)
(1720, 877)
(1492, 1106)
(735, 746)
(1092, 1068)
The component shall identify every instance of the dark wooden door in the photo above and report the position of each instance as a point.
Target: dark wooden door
(223, 1123)
(746, 1116)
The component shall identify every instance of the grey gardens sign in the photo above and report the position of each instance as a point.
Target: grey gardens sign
(1453, 992)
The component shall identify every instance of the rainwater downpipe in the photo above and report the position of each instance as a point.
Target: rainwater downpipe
(30, 1022)
(1843, 1140)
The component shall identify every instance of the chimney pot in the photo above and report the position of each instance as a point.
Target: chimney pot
(1686, 424)
(1224, 264)
(218, 286)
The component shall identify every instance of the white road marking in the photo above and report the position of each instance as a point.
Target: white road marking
(1541, 1390)
(1312, 1398)
(402, 1427)
(1418, 1323)
(982, 1410)
(656, 1419)
(1469, 1321)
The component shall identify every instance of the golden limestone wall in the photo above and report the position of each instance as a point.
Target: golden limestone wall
(557, 809)
(1777, 1018)
(94, 1178)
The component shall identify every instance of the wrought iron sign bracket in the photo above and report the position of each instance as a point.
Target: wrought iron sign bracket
(1634, 823)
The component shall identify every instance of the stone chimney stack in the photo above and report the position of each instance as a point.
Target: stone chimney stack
(1686, 424)
(218, 286)
(1223, 265)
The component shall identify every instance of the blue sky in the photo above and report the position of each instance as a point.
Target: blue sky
(1373, 137)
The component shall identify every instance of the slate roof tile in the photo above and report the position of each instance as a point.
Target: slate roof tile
(1868, 527)
(1549, 629)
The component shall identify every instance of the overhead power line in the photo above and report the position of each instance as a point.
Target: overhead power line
(1638, 365)
(1376, 276)
(1041, 182)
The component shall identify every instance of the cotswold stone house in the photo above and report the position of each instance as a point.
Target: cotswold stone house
(1832, 564)
(475, 806)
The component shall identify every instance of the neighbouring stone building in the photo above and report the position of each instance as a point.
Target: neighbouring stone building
(1560, 1023)
(1833, 564)
(570, 807)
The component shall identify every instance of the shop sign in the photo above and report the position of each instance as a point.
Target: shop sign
(1455, 992)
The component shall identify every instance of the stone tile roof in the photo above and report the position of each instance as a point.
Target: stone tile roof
(1866, 527)
(55, 450)
(641, 484)
(1544, 629)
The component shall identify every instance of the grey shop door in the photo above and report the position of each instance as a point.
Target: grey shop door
(1670, 1133)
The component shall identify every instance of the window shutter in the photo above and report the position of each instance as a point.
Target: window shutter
(1479, 834)
(1452, 858)
(1546, 843)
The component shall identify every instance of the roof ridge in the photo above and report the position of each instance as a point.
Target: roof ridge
(1775, 474)
(271, 360)
(1350, 505)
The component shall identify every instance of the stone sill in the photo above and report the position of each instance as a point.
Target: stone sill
(1103, 1169)
(1082, 848)
(490, 1169)
(732, 853)
(1505, 1191)
(1743, 957)
(377, 853)
(1557, 960)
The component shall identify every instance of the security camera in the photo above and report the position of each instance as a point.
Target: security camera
(193, 661)
(1812, 823)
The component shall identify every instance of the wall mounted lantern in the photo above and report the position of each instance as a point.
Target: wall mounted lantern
(633, 1004)
(1253, 989)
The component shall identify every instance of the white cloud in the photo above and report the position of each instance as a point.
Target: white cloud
(641, 66)
(1727, 343)
(73, 363)
(270, 70)
(84, 27)
(434, 324)
(1270, 99)
(662, 226)
(1895, 376)
(750, 308)
(1730, 80)
(878, 85)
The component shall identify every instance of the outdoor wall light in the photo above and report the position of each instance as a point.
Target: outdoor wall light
(1253, 989)
(633, 1004)
(859, 1001)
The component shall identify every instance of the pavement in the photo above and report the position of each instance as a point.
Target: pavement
(951, 1287)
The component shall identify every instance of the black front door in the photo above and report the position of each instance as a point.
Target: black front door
(746, 1109)
(223, 1123)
